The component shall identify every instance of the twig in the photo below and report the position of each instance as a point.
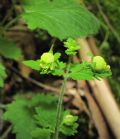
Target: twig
(18, 30)
(5, 134)
(47, 87)
(2, 106)
(11, 23)
(52, 44)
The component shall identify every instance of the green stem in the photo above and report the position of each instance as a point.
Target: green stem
(106, 38)
(52, 45)
(60, 101)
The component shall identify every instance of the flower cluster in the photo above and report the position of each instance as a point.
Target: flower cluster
(49, 63)
(71, 46)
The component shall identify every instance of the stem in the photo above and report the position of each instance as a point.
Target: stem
(2, 106)
(60, 101)
(52, 44)
(106, 38)
(11, 22)
(5, 134)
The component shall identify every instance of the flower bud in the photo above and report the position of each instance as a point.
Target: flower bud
(69, 120)
(100, 63)
(47, 58)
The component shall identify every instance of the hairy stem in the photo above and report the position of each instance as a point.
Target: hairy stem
(60, 101)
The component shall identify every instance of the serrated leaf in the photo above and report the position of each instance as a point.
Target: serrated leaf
(9, 49)
(21, 118)
(2, 75)
(28, 124)
(43, 100)
(41, 133)
(81, 71)
(82, 75)
(32, 64)
(46, 116)
(61, 18)
(60, 69)
(102, 74)
(69, 131)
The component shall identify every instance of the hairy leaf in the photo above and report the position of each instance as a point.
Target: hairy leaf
(81, 71)
(41, 133)
(21, 118)
(46, 116)
(46, 111)
(66, 130)
(21, 113)
(34, 116)
(61, 18)
(43, 100)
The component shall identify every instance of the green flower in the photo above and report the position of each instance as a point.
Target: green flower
(49, 63)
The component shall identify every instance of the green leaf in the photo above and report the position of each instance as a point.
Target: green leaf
(61, 18)
(21, 118)
(85, 71)
(34, 116)
(81, 71)
(41, 133)
(9, 49)
(68, 131)
(46, 111)
(59, 69)
(102, 74)
(82, 75)
(46, 116)
(32, 64)
(43, 100)
(2, 75)
(26, 114)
